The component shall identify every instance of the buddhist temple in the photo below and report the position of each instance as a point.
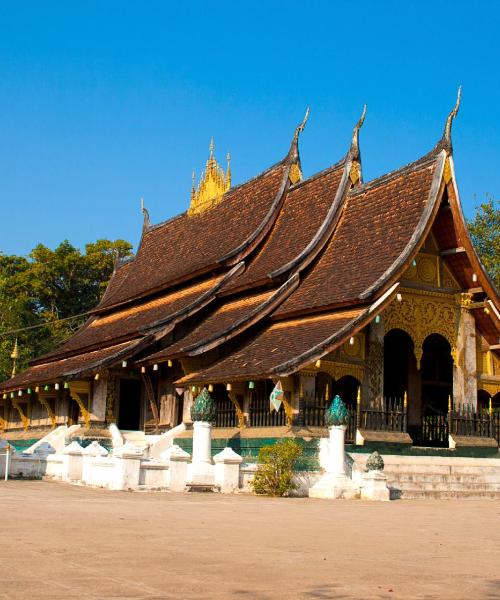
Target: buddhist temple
(331, 285)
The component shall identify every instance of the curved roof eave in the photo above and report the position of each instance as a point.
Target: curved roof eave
(338, 338)
(459, 219)
(394, 272)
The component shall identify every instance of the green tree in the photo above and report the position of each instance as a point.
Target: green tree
(48, 286)
(485, 232)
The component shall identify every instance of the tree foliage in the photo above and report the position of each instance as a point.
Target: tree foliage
(485, 232)
(47, 286)
(274, 475)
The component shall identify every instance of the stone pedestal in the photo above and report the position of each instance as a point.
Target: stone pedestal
(73, 459)
(128, 466)
(178, 460)
(374, 486)
(227, 470)
(335, 483)
(202, 469)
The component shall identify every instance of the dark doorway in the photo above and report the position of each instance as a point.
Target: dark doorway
(179, 405)
(398, 352)
(347, 388)
(74, 412)
(437, 389)
(129, 410)
(437, 375)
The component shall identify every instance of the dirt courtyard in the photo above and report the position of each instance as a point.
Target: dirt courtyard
(66, 542)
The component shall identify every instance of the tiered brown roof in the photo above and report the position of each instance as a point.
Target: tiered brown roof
(204, 241)
(305, 208)
(378, 222)
(67, 367)
(255, 268)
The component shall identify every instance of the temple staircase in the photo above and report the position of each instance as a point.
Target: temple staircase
(139, 438)
(439, 477)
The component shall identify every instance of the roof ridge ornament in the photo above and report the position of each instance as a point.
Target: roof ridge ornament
(354, 150)
(295, 174)
(145, 213)
(354, 154)
(446, 139)
(213, 184)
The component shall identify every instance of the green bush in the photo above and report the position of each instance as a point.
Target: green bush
(274, 475)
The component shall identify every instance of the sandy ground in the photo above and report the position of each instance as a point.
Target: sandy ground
(66, 542)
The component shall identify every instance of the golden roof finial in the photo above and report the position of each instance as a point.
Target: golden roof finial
(193, 178)
(228, 171)
(212, 186)
(14, 356)
(449, 121)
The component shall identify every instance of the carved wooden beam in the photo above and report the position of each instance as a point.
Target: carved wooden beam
(239, 411)
(24, 418)
(451, 251)
(78, 390)
(43, 399)
(148, 384)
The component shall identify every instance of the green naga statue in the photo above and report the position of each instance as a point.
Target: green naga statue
(337, 414)
(203, 408)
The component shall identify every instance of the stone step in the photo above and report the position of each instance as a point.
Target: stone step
(445, 495)
(465, 471)
(443, 487)
(455, 478)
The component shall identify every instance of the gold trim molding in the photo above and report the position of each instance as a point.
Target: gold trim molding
(336, 370)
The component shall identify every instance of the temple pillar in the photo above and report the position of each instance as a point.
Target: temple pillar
(97, 412)
(188, 402)
(373, 385)
(414, 392)
(247, 398)
(306, 389)
(168, 405)
(465, 369)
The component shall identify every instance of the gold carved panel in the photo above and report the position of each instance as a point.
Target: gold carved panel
(357, 348)
(336, 370)
(421, 314)
(424, 271)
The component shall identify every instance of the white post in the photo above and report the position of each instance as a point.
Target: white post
(202, 442)
(73, 462)
(227, 470)
(336, 452)
(7, 460)
(129, 466)
(202, 471)
(178, 466)
(89, 453)
(334, 483)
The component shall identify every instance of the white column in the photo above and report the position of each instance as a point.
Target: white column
(336, 452)
(334, 483)
(202, 472)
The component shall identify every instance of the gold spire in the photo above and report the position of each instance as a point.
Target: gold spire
(212, 185)
(14, 356)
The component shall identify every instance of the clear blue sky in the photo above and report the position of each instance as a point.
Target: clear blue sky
(105, 102)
